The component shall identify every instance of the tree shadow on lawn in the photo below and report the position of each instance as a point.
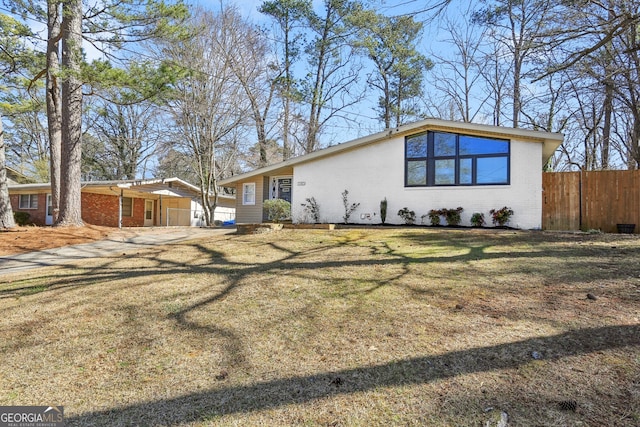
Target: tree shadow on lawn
(211, 261)
(294, 390)
(276, 393)
(104, 269)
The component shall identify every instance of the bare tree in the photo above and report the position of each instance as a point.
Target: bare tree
(208, 104)
(517, 26)
(289, 15)
(127, 134)
(257, 76)
(458, 76)
(333, 75)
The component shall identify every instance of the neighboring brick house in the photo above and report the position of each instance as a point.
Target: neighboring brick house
(134, 203)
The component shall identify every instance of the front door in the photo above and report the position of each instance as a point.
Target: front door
(49, 217)
(284, 189)
(148, 213)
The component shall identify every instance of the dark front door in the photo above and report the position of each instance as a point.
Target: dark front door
(284, 189)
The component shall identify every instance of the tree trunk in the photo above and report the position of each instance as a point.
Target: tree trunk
(54, 114)
(606, 128)
(608, 97)
(318, 86)
(517, 101)
(6, 213)
(71, 150)
(286, 146)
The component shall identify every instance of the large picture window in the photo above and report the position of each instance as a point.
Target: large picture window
(446, 159)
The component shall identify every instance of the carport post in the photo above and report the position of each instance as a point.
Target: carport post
(120, 209)
(160, 210)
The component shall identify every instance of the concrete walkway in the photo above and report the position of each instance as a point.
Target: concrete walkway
(140, 240)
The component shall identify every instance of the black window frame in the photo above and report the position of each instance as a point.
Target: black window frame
(430, 161)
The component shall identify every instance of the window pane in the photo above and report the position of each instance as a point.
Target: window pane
(249, 194)
(127, 206)
(28, 201)
(445, 172)
(444, 144)
(492, 170)
(466, 170)
(24, 201)
(417, 146)
(417, 173)
(475, 145)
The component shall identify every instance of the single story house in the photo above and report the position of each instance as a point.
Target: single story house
(430, 164)
(126, 203)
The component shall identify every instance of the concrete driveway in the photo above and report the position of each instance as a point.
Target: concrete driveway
(140, 240)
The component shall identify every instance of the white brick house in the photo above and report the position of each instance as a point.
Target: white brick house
(431, 164)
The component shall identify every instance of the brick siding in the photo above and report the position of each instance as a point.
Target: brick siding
(36, 216)
(97, 209)
(102, 209)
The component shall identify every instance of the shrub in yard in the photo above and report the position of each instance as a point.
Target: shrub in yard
(312, 209)
(434, 216)
(277, 209)
(348, 208)
(452, 215)
(383, 210)
(477, 219)
(21, 218)
(409, 217)
(501, 217)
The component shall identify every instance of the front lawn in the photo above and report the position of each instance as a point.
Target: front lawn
(393, 326)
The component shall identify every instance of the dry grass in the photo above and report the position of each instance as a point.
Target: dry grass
(31, 238)
(351, 327)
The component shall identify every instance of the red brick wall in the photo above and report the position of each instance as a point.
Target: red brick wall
(97, 209)
(138, 215)
(36, 216)
(102, 209)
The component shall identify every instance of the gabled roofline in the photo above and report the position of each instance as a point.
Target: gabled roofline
(18, 174)
(551, 141)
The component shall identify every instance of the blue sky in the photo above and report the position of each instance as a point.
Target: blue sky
(364, 117)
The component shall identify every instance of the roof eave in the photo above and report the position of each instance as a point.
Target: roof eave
(550, 141)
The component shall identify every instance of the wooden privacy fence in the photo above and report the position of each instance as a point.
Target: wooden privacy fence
(596, 200)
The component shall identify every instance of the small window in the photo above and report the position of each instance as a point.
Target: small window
(417, 147)
(416, 173)
(127, 206)
(28, 201)
(249, 193)
(445, 172)
(492, 170)
(444, 144)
